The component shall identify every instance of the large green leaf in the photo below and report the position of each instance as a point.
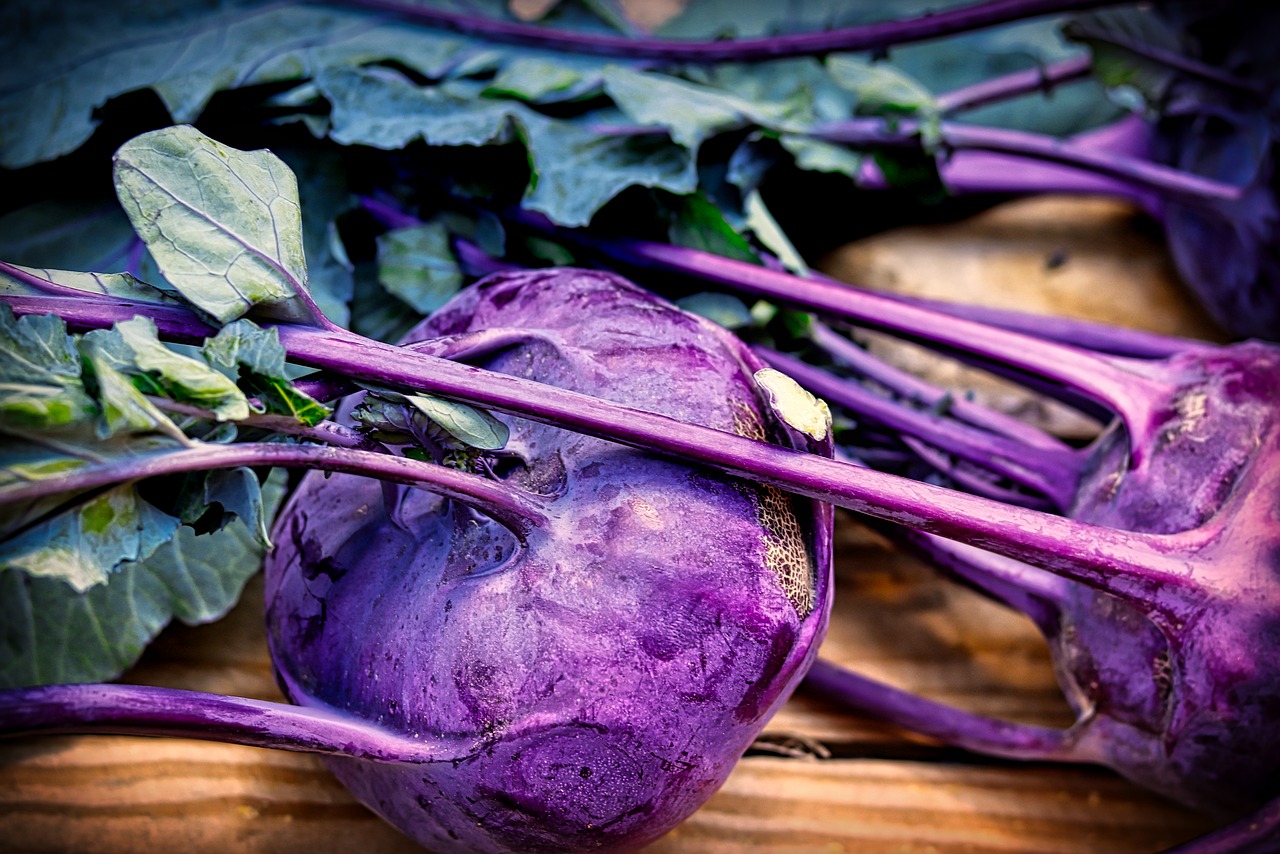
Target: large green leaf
(254, 357)
(40, 381)
(578, 171)
(183, 378)
(224, 225)
(49, 633)
(82, 546)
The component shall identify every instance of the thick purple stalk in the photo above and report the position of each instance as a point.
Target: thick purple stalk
(1130, 565)
(517, 510)
(945, 723)
(1169, 183)
(1038, 79)
(1054, 474)
(867, 37)
(1116, 341)
(146, 710)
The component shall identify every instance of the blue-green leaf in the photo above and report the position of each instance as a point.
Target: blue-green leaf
(417, 265)
(50, 633)
(224, 225)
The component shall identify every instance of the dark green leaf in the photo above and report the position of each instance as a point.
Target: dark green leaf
(84, 545)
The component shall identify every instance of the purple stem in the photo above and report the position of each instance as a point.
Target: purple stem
(974, 172)
(867, 37)
(911, 387)
(1038, 79)
(146, 710)
(517, 510)
(1025, 588)
(972, 478)
(1256, 833)
(1184, 65)
(1132, 389)
(1101, 338)
(1131, 565)
(1052, 474)
(1144, 174)
(944, 723)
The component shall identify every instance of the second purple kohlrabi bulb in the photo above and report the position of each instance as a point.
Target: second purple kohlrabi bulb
(611, 668)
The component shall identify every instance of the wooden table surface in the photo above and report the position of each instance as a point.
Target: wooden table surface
(821, 779)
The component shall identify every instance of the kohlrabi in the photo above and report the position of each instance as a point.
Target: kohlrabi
(515, 637)
(1170, 669)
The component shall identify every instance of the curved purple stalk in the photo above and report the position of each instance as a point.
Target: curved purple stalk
(866, 37)
(946, 723)
(1126, 564)
(976, 172)
(1143, 174)
(517, 510)
(1052, 473)
(146, 710)
(1038, 79)
(1184, 65)
(1025, 588)
(970, 477)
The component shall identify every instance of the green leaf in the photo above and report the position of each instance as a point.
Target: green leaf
(376, 107)
(416, 264)
(816, 155)
(125, 410)
(122, 285)
(224, 225)
(690, 113)
(699, 224)
(879, 86)
(49, 633)
(183, 378)
(40, 383)
(473, 427)
(248, 353)
(769, 233)
(83, 546)
(408, 419)
(546, 80)
(577, 171)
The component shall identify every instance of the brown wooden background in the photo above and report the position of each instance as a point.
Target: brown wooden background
(822, 779)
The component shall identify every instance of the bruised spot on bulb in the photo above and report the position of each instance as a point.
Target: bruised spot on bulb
(794, 405)
(646, 513)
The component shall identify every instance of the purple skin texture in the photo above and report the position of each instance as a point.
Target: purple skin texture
(1177, 687)
(609, 666)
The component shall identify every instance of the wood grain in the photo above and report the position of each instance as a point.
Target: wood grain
(820, 780)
